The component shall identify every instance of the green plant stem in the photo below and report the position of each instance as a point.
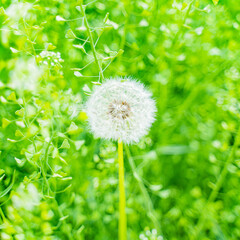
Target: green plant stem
(64, 223)
(122, 227)
(2, 215)
(123, 38)
(179, 33)
(148, 201)
(42, 166)
(92, 42)
(218, 185)
(44, 175)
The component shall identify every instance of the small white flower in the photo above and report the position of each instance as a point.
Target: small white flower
(120, 109)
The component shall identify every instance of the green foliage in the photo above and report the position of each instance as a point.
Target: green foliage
(57, 181)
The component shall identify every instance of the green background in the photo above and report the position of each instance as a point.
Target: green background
(57, 181)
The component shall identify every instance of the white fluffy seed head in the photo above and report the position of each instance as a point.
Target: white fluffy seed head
(120, 109)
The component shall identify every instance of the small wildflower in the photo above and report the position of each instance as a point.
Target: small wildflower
(50, 58)
(121, 109)
(150, 235)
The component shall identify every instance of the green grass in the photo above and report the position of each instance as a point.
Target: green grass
(57, 181)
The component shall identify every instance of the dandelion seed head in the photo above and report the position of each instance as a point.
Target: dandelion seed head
(120, 109)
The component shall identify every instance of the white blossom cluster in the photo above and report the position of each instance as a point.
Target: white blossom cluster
(50, 58)
(150, 235)
(120, 109)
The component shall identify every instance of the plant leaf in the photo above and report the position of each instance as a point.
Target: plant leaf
(70, 34)
(12, 96)
(20, 112)
(65, 144)
(4, 192)
(5, 122)
(78, 144)
(73, 128)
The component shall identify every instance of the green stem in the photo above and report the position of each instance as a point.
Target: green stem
(29, 38)
(2, 215)
(122, 227)
(44, 175)
(126, 7)
(91, 42)
(179, 33)
(64, 223)
(42, 166)
(218, 185)
(148, 201)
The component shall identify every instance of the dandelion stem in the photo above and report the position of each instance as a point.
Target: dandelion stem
(122, 227)
(218, 185)
(92, 42)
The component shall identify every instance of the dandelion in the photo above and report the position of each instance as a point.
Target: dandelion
(123, 110)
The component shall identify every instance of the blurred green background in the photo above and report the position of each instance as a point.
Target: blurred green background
(182, 180)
